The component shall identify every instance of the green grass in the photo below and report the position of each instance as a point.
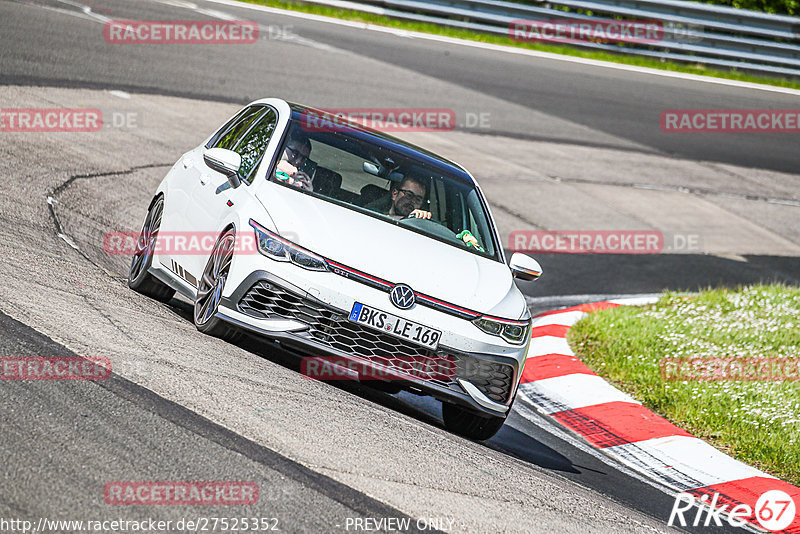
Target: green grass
(507, 41)
(757, 422)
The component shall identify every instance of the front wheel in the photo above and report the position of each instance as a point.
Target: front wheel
(209, 290)
(464, 423)
(139, 278)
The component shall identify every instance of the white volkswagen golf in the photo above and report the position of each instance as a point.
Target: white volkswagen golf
(374, 259)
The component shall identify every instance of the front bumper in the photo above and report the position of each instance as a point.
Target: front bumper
(270, 306)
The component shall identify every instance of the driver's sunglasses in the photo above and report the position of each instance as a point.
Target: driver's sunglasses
(412, 195)
(296, 154)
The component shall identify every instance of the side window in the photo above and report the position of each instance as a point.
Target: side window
(229, 139)
(438, 204)
(477, 225)
(227, 126)
(252, 145)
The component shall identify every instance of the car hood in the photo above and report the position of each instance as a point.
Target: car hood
(393, 253)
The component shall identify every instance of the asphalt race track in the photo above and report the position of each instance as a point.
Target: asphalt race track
(564, 145)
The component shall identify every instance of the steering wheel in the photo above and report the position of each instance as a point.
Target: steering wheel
(431, 226)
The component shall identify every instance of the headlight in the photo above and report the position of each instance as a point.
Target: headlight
(274, 246)
(515, 332)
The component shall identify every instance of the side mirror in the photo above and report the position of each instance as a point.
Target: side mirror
(524, 267)
(226, 162)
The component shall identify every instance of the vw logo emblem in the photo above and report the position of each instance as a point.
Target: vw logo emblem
(402, 296)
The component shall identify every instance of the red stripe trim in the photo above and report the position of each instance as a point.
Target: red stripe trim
(747, 491)
(555, 330)
(617, 423)
(360, 273)
(447, 304)
(551, 366)
(515, 322)
(422, 296)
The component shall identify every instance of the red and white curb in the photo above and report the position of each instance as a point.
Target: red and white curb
(560, 386)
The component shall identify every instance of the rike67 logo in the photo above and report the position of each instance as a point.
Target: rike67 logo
(775, 510)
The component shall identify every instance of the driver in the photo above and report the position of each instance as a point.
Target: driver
(404, 201)
(295, 154)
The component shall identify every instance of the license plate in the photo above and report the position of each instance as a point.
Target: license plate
(395, 326)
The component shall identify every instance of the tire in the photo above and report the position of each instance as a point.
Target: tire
(209, 290)
(139, 279)
(459, 421)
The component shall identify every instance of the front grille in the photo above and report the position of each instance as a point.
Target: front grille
(265, 300)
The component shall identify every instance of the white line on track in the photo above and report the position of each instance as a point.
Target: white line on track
(221, 15)
(120, 94)
(509, 49)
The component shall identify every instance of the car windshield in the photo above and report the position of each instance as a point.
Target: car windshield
(386, 179)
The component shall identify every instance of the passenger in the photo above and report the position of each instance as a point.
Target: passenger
(295, 154)
(404, 200)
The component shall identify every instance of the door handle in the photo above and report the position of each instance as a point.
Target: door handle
(204, 178)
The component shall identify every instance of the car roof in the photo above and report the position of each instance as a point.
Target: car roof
(392, 143)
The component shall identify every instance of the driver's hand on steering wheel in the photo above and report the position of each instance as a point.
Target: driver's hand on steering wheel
(470, 239)
(420, 214)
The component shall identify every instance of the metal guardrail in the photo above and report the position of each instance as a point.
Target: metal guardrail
(694, 32)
